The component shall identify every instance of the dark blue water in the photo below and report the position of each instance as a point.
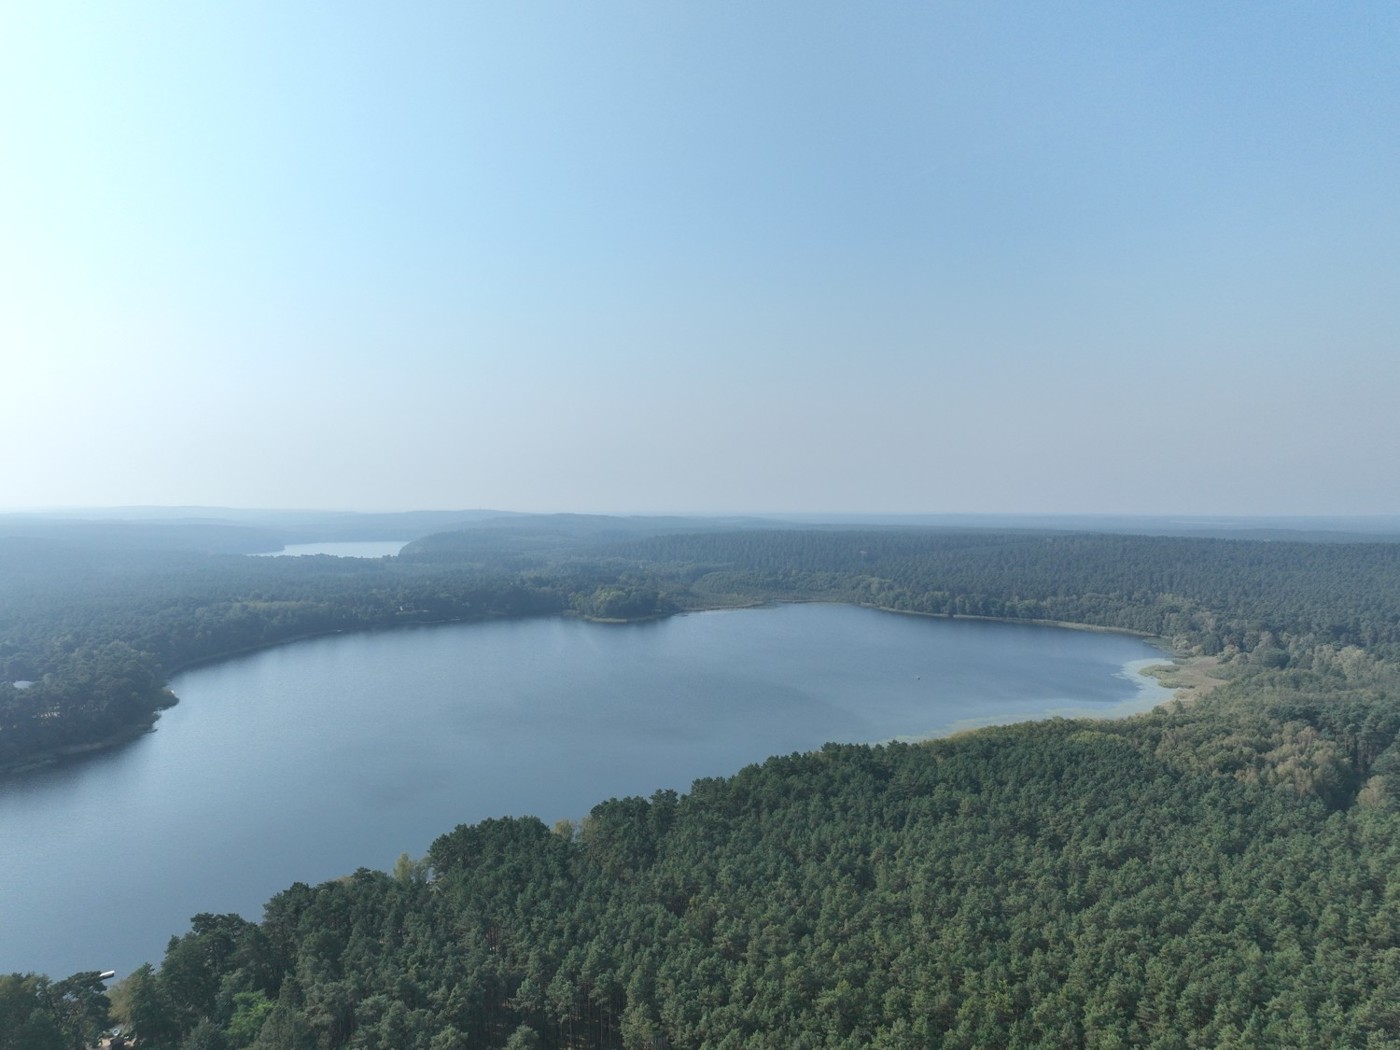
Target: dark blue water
(306, 762)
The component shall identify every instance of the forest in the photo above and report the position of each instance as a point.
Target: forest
(1219, 872)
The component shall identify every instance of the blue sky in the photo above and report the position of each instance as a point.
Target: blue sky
(659, 257)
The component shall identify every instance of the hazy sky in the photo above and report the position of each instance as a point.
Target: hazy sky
(894, 257)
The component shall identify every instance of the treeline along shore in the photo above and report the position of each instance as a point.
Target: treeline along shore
(1215, 873)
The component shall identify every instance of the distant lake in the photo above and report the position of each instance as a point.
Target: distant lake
(359, 549)
(305, 762)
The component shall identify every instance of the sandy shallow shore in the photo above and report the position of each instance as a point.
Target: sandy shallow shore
(1191, 678)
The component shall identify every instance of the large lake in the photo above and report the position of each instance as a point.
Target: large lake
(305, 762)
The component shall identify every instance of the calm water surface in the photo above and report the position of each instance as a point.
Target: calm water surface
(340, 549)
(308, 761)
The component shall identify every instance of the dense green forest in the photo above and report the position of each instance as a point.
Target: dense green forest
(1219, 872)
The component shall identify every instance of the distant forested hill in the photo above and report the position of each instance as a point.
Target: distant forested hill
(1217, 593)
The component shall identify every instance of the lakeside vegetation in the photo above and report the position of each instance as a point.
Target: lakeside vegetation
(1213, 873)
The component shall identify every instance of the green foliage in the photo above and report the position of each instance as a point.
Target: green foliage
(623, 602)
(39, 1014)
(250, 1010)
(144, 1006)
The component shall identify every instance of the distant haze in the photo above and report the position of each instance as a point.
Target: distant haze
(692, 258)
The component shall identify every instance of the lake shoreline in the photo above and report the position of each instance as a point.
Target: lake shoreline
(304, 763)
(58, 756)
(1190, 677)
(76, 752)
